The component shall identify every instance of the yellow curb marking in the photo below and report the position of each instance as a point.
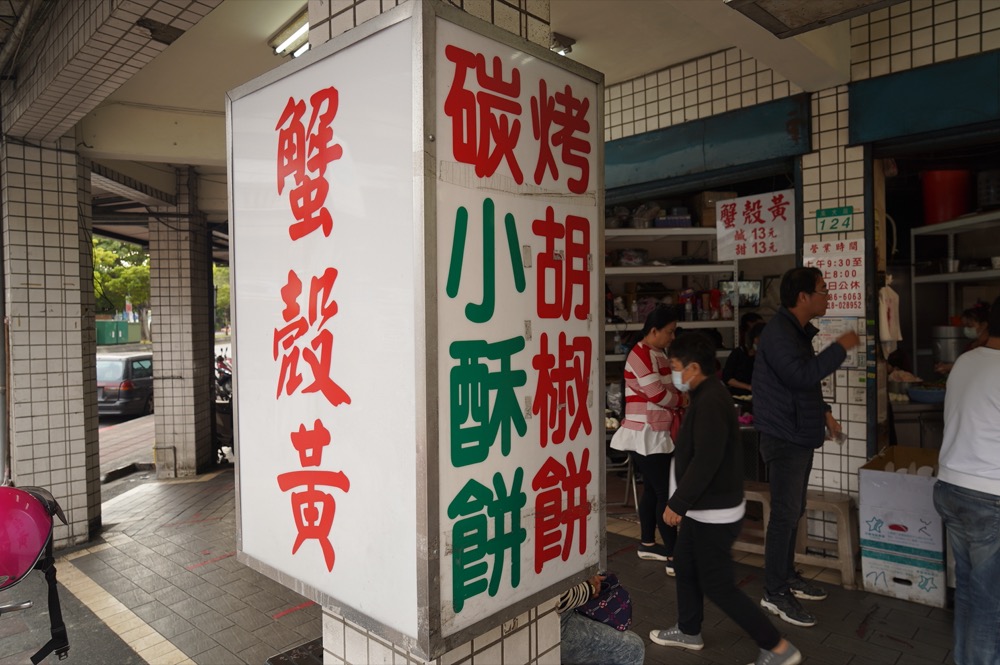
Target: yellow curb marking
(152, 647)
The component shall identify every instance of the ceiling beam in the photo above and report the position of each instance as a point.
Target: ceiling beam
(813, 61)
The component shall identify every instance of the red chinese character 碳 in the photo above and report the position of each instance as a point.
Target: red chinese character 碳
(560, 505)
(318, 354)
(304, 151)
(727, 213)
(313, 508)
(485, 124)
(561, 392)
(568, 272)
(569, 114)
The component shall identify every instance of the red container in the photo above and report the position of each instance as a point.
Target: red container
(947, 194)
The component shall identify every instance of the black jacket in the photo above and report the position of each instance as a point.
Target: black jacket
(708, 457)
(787, 374)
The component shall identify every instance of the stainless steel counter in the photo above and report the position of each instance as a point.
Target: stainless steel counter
(920, 425)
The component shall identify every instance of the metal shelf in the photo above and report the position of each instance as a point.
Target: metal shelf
(986, 220)
(717, 323)
(694, 269)
(958, 277)
(652, 235)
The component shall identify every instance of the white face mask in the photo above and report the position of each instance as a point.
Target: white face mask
(970, 332)
(679, 382)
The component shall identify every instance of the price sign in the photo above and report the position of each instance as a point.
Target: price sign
(835, 220)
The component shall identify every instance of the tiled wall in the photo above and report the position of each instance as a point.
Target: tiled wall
(88, 334)
(527, 18)
(87, 50)
(51, 444)
(709, 85)
(531, 639)
(535, 639)
(922, 32)
(183, 348)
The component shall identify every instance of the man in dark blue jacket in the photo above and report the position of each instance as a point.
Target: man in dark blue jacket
(792, 418)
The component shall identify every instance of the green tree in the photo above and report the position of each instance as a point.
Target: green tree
(121, 272)
(220, 277)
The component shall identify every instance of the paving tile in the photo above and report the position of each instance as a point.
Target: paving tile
(217, 656)
(236, 639)
(205, 592)
(264, 601)
(226, 604)
(258, 653)
(151, 582)
(171, 625)
(212, 622)
(278, 636)
(190, 608)
(193, 642)
(250, 618)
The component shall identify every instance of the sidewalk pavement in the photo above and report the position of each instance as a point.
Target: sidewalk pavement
(162, 585)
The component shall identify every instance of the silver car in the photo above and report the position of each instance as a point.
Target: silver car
(124, 384)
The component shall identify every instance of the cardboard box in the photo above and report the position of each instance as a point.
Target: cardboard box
(907, 578)
(896, 511)
(704, 205)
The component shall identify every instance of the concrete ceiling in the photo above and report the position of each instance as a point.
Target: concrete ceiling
(172, 112)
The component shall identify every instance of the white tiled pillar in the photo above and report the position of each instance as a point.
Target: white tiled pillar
(532, 638)
(183, 342)
(47, 270)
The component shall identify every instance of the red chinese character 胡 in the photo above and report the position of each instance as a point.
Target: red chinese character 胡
(569, 272)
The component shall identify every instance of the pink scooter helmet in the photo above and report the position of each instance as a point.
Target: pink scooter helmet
(25, 530)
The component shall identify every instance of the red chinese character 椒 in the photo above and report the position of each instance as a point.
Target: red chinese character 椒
(561, 392)
(485, 124)
(318, 354)
(569, 114)
(304, 151)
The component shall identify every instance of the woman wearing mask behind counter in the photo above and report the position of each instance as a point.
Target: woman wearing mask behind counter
(974, 325)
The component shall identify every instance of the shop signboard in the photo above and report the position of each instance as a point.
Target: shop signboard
(843, 265)
(755, 226)
(414, 220)
(518, 346)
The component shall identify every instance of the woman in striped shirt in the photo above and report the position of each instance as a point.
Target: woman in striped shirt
(650, 400)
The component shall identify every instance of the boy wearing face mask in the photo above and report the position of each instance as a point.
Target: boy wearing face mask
(707, 503)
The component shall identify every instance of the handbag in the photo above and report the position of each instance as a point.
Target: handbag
(675, 424)
(612, 605)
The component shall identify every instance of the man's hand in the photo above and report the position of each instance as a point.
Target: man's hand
(849, 340)
(832, 424)
(670, 517)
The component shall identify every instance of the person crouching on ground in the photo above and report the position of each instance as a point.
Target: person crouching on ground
(707, 504)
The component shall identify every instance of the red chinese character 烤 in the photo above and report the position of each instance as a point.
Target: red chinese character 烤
(561, 392)
(313, 508)
(304, 151)
(560, 506)
(289, 341)
(569, 114)
(568, 272)
(485, 124)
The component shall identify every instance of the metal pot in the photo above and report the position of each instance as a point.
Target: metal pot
(948, 342)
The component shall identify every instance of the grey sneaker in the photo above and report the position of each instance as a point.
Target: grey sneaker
(805, 589)
(654, 552)
(673, 637)
(792, 656)
(670, 568)
(788, 608)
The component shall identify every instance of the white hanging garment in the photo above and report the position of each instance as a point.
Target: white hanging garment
(888, 319)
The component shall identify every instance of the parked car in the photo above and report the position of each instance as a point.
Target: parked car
(124, 384)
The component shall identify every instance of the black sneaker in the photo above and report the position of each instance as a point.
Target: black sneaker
(670, 568)
(804, 589)
(788, 608)
(655, 552)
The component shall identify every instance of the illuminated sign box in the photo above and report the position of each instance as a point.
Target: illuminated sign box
(416, 209)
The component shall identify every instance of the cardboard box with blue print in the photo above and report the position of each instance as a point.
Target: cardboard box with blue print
(896, 503)
(904, 577)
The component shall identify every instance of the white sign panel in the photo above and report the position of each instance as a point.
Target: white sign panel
(323, 264)
(518, 364)
(758, 225)
(842, 263)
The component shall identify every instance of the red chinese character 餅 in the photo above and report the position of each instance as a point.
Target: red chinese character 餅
(485, 124)
(568, 272)
(569, 115)
(561, 393)
(561, 506)
(291, 343)
(304, 151)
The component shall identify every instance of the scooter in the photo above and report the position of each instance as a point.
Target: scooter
(25, 545)
(223, 379)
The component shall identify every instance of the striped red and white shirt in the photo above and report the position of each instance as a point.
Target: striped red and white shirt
(649, 390)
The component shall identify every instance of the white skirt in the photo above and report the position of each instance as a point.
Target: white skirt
(645, 441)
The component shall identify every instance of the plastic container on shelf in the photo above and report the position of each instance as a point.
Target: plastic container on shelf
(947, 194)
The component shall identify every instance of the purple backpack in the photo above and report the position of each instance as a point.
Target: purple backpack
(612, 605)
